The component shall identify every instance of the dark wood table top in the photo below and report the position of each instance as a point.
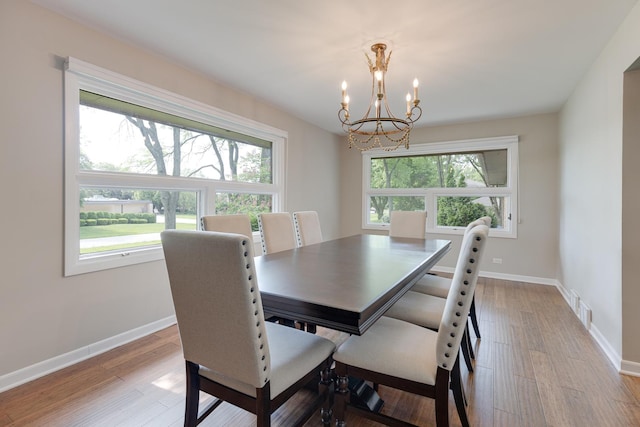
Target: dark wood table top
(344, 284)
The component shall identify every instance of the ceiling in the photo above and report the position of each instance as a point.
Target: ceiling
(475, 59)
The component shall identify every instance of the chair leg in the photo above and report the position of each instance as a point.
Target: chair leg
(474, 318)
(458, 394)
(341, 399)
(263, 410)
(472, 354)
(464, 346)
(326, 387)
(442, 398)
(193, 395)
(287, 322)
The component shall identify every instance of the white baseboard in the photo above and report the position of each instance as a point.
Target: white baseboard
(504, 276)
(622, 366)
(567, 295)
(40, 369)
(609, 351)
(630, 368)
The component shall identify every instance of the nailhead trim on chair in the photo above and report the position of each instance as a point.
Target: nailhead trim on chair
(256, 311)
(264, 247)
(297, 228)
(460, 303)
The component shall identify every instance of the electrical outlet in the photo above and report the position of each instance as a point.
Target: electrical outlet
(497, 260)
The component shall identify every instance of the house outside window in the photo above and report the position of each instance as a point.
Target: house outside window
(455, 182)
(139, 160)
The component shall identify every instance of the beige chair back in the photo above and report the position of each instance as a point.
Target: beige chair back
(217, 303)
(463, 285)
(276, 232)
(239, 224)
(307, 225)
(410, 224)
(485, 220)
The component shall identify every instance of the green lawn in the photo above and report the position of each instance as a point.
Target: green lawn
(117, 247)
(96, 231)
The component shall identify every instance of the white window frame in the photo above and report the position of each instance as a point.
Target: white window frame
(510, 143)
(80, 75)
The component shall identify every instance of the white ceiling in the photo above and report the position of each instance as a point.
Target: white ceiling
(475, 59)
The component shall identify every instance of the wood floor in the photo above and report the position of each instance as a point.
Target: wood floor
(535, 366)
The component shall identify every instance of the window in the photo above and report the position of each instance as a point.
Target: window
(456, 182)
(139, 160)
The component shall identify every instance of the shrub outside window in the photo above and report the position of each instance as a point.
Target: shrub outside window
(139, 160)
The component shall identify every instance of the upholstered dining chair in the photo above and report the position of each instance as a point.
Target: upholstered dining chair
(307, 225)
(234, 223)
(426, 310)
(408, 357)
(238, 223)
(276, 235)
(276, 232)
(439, 286)
(230, 351)
(410, 224)
(423, 308)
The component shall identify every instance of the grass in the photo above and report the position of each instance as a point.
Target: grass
(97, 249)
(115, 230)
(97, 231)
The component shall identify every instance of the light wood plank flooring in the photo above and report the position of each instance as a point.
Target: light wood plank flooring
(535, 366)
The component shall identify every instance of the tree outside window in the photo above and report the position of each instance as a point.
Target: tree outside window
(455, 182)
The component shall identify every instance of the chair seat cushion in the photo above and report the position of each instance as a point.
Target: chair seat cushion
(293, 353)
(433, 285)
(395, 348)
(418, 308)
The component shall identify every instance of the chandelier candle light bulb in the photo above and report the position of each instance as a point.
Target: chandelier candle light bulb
(409, 104)
(379, 128)
(345, 98)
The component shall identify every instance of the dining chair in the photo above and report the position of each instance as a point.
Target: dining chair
(230, 352)
(409, 224)
(277, 235)
(238, 223)
(276, 232)
(411, 358)
(307, 225)
(235, 223)
(438, 286)
(424, 308)
(427, 311)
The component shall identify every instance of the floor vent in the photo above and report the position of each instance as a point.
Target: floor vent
(574, 301)
(585, 315)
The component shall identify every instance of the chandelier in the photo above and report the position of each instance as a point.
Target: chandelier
(379, 128)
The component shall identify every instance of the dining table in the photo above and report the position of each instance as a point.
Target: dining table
(344, 284)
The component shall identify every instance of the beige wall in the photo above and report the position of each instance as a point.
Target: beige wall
(630, 224)
(591, 195)
(43, 314)
(534, 253)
